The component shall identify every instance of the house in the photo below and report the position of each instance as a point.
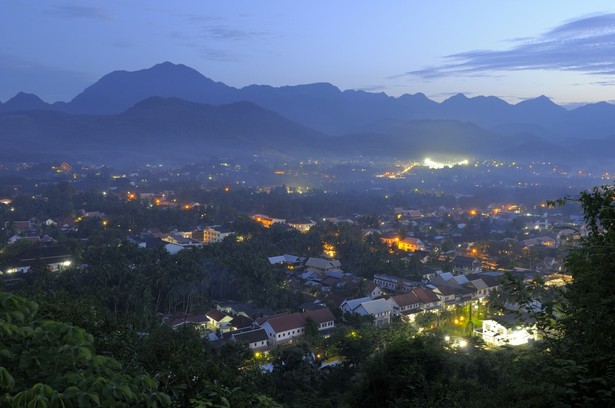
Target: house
(302, 225)
(178, 320)
(286, 327)
(50, 223)
(213, 234)
(267, 221)
(411, 244)
(373, 290)
(539, 241)
(380, 309)
(292, 261)
(394, 283)
(55, 258)
(490, 282)
(247, 310)
(427, 298)
(405, 305)
(440, 278)
(20, 226)
(240, 322)
(217, 320)
(255, 339)
(320, 265)
(447, 296)
(181, 239)
(480, 289)
(465, 265)
(67, 224)
(390, 239)
(509, 329)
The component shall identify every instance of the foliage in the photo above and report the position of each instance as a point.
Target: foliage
(49, 363)
(589, 310)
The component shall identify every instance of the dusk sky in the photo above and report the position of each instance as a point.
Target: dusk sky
(513, 50)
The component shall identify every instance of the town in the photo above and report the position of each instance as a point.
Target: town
(272, 269)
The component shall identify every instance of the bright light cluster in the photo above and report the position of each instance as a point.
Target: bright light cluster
(432, 164)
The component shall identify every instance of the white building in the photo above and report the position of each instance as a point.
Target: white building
(509, 330)
(380, 309)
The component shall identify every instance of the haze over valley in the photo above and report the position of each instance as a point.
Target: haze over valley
(173, 113)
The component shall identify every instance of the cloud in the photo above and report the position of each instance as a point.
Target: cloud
(77, 11)
(216, 55)
(373, 88)
(227, 33)
(584, 45)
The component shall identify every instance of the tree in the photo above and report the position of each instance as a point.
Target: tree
(589, 308)
(50, 363)
(311, 329)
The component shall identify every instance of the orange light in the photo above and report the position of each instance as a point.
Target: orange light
(473, 212)
(227, 189)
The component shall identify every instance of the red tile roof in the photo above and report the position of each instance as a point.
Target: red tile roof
(406, 299)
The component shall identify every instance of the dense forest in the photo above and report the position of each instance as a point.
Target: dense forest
(92, 336)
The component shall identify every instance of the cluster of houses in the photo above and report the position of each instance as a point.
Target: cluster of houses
(380, 301)
(230, 322)
(302, 225)
(176, 241)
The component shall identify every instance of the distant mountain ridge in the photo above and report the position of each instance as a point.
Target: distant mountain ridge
(174, 112)
(324, 107)
(166, 129)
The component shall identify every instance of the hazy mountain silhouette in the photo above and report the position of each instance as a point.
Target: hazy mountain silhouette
(24, 101)
(169, 129)
(325, 108)
(130, 107)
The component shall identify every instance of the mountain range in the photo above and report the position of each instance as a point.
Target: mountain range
(175, 111)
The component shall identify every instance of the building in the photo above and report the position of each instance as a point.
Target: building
(286, 327)
(254, 339)
(465, 265)
(509, 330)
(182, 239)
(393, 283)
(54, 258)
(428, 300)
(411, 244)
(379, 309)
(267, 221)
(213, 234)
(320, 265)
(406, 305)
(302, 225)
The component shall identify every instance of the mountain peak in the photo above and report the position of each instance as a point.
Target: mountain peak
(541, 100)
(24, 101)
(120, 90)
(458, 97)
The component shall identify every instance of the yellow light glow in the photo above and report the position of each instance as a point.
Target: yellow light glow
(432, 164)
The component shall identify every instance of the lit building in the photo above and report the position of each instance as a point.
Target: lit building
(213, 234)
(509, 330)
(411, 244)
(303, 225)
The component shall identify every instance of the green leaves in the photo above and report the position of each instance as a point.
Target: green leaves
(46, 363)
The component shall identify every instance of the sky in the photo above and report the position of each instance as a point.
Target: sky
(563, 49)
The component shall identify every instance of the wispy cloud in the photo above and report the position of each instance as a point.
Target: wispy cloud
(71, 11)
(216, 55)
(373, 88)
(583, 45)
(228, 33)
